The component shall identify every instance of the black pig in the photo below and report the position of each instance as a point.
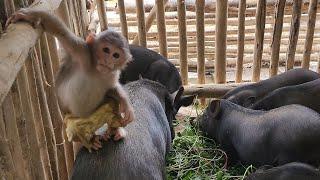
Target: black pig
(290, 171)
(307, 94)
(141, 155)
(247, 95)
(151, 65)
(286, 134)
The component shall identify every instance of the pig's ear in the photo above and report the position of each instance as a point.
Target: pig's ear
(215, 107)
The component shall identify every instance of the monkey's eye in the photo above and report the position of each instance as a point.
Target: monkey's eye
(116, 55)
(106, 50)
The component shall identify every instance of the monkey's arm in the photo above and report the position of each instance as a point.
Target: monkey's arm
(125, 107)
(74, 45)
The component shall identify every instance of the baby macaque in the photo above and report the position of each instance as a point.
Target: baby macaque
(90, 72)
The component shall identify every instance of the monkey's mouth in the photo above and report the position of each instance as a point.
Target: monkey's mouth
(103, 68)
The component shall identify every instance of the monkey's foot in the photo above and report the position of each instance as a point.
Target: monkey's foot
(120, 133)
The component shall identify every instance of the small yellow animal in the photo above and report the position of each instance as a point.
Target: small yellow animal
(83, 129)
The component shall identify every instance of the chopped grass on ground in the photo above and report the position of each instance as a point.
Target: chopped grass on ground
(194, 156)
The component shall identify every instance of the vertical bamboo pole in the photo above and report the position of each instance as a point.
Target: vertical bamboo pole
(161, 25)
(63, 13)
(102, 14)
(123, 18)
(259, 36)
(141, 23)
(28, 170)
(310, 32)
(33, 138)
(221, 41)
(294, 33)
(39, 127)
(7, 168)
(54, 108)
(276, 38)
(241, 34)
(53, 53)
(84, 17)
(149, 20)
(183, 48)
(200, 40)
(33, 70)
(13, 137)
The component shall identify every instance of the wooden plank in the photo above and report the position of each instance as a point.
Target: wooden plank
(13, 138)
(23, 88)
(183, 49)
(123, 18)
(312, 12)
(221, 41)
(101, 8)
(54, 108)
(276, 38)
(34, 70)
(210, 90)
(241, 36)
(161, 26)
(15, 45)
(259, 36)
(294, 33)
(141, 23)
(7, 167)
(200, 41)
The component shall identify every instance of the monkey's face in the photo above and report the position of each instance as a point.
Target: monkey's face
(110, 57)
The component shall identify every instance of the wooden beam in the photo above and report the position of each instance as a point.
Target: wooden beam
(294, 33)
(183, 49)
(241, 35)
(123, 18)
(221, 41)
(141, 23)
(101, 8)
(15, 45)
(161, 25)
(259, 36)
(276, 38)
(310, 32)
(200, 40)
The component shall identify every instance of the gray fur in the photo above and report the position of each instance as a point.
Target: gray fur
(141, 155)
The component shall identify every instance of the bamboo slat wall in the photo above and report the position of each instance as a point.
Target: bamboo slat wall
(222, 38)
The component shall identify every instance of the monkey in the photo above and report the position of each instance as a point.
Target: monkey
(89, 74)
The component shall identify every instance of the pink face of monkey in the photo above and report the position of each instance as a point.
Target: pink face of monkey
(110, 57)
(111, 51)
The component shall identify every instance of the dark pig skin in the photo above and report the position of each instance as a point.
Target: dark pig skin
(279, 136)
(247, 95)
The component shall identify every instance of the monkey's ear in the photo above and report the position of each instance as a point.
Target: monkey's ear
(90, 38)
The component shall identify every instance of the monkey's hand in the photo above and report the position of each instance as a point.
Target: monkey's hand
(28, 15)
(126, 111)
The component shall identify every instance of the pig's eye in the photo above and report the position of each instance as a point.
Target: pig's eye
(106, 50)
(116, 55)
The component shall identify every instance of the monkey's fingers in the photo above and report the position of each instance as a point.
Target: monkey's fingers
(96, 143)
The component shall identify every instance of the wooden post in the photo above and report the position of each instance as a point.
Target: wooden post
(13, 138)
(276, 38)
(241, 34)
(123, 18)
(200, 40)
(54, 108)
(183, 49)
(312, 12)
(34, 70)
(39, 127)
(259, 36)
(28, 170)
(294, 33)
(36, 151)
(7, 168)
(149, 21)
(161, 25)
(221, 41)
(141, 23)
(102, 14)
